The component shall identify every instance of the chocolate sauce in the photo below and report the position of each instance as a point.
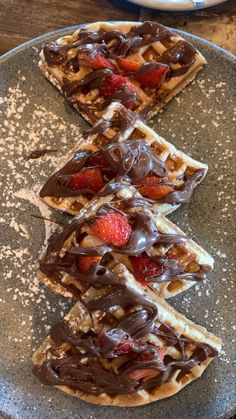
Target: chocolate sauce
(144, 235)
(36, 154)
(93, 378)
(130, 161)
(114, 44)
(138, 321)
(57, 185)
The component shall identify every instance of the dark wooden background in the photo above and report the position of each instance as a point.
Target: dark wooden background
(21, 20)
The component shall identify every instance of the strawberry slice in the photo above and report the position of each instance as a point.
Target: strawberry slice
(145, 374)
(148, 356)
(85, 262)
(96, 63)
(149, 188)
(152, 75)
(99, 61)
(127, 346)
(144, 267)
(114, 83)
(128, 65)
(112, 227)
(87, 179)
(97, 159)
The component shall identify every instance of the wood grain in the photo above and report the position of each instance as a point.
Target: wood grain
(21, 20)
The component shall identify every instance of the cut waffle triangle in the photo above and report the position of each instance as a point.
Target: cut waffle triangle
(120, 125)
(177, 342)
(193, 263)
(141, 43)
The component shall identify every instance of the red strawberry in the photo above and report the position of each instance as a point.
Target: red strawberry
(149, 187)
(127, 346)
(87, 179)
(115, 82)
(152, 77)
(144, 267)
(99, 61)
(148, 356)
(85, 262)
(128, 65)
(112, 227)
(97, 159)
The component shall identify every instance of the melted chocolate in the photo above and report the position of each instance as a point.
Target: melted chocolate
(36, 154)
(93, 378)
(131, 329)
(92, 43)
(130, 161)
(144, 235)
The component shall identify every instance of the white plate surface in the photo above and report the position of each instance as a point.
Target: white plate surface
(177, 5)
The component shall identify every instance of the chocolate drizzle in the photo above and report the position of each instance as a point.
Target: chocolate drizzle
(113, 44)
(80, 365)
(36, 154)
(128, 161)
(144, 235)
(132, 329)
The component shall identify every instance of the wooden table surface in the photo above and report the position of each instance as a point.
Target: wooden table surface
(21, 20)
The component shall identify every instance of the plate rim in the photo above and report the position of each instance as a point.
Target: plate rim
(14, 51)
(24, 46)
(176, 8)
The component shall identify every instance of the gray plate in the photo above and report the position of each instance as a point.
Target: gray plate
(200, 121)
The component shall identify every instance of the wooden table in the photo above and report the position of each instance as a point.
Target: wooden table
(21, 20)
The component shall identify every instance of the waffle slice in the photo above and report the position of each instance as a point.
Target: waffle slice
(119, 228)
(144, 65)
(101, 355)
(117, 126)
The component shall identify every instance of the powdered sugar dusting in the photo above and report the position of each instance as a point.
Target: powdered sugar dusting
(27, 127)
(199, 122)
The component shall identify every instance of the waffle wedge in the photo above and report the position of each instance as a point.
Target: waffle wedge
(150, 62)
(122, 133)
(121, 347)
(156, 250)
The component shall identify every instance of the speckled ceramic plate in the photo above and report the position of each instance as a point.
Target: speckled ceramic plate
(200, 121)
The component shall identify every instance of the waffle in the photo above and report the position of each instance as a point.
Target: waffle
(189, 338)
(118, 125)
(193, 260)
(141, 43)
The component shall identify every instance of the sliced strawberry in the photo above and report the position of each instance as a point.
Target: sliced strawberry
(144, 267)
(145, 374)
(99, 61)
(96, 63)
(87, 179)
(114, 83)
(85, 262)
(150, 188)
(97, 159)
(127, 346)
(128, 65)
(153, 77)
(148, 356)
(112, 227)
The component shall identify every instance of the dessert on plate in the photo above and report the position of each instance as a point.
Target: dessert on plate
(121, 347)
(121, 150)
(121, 229)
(120, 257)
(142, 65)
